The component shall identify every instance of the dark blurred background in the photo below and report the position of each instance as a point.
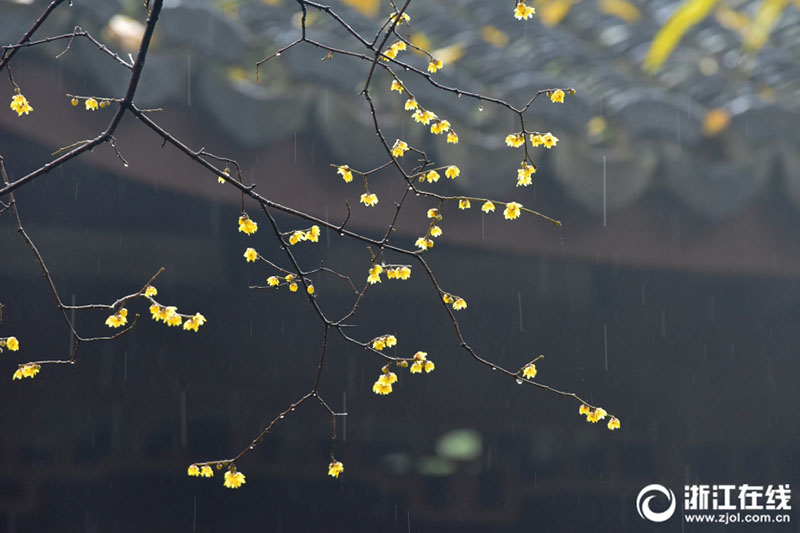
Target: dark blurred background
(669, 296)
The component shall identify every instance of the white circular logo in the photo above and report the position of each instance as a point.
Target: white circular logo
(643, 503)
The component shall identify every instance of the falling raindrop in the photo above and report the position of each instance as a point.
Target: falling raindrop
(281, 416)
(519, 381)
(494, 368)
(480, 107)
(277, 54)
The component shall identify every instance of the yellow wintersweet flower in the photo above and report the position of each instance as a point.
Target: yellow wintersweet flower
(404, 272)
(273, 281)
(91, 104)
(382, 386)
(411, 104)
(104, 103)
(173, 318)
(459, 304)
(416, 367)
(234, 479)
(374, 274)
(435, 231)
(600, 413)
(250, 255)
(523, 11)
(336, 468)
(584, 409)
(389, 377)
(452, 137)
(464, 204)
(310, 289)
(403, 18)
(613, 423)
(429, 366)
(369, 199)
(296, 237)
(440, 126)
(452, 172)
(515, 140)
(549, 140)
(433, 212)
(11, 343)
(434, 65)
(206, 471)
(399, 148)
(313, 234)
(20, 104)
(246, 225)
(397, 86)
(150, 291)
(391, 273)
(424, 243)
(345, 172)
(512, 210)
(529, 371)
(289, 277)
(487, 207)
(194, 322)
(74, 102)
(379, 343)
(293, 286)
(193, 470)
(447, 298)
(432, 176)
(28, 370)
(524, 174)
(391, 340)
(117, 319)
(557, 96)
(537, 139)
(423, 117)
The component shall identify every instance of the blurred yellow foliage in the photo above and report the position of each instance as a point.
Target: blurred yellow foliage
(690, 13)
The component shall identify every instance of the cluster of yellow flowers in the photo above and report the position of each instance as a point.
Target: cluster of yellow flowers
(457, 302)
(421, 362)
(422, 115)
(399, 148)
(91, 104)
(393, 50)
(246, 225)
(28, 370)
(523, 11)
(197, 471)
(120, 318)
(597, 414)
(525, 173)
(383, 385)
(168, 314)
(336, 468)
(401, 272)
(515, 140)
(311, 234)
(290, 280)
(233, 478)
(20, 104)
(13, 344)
(384, 341)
